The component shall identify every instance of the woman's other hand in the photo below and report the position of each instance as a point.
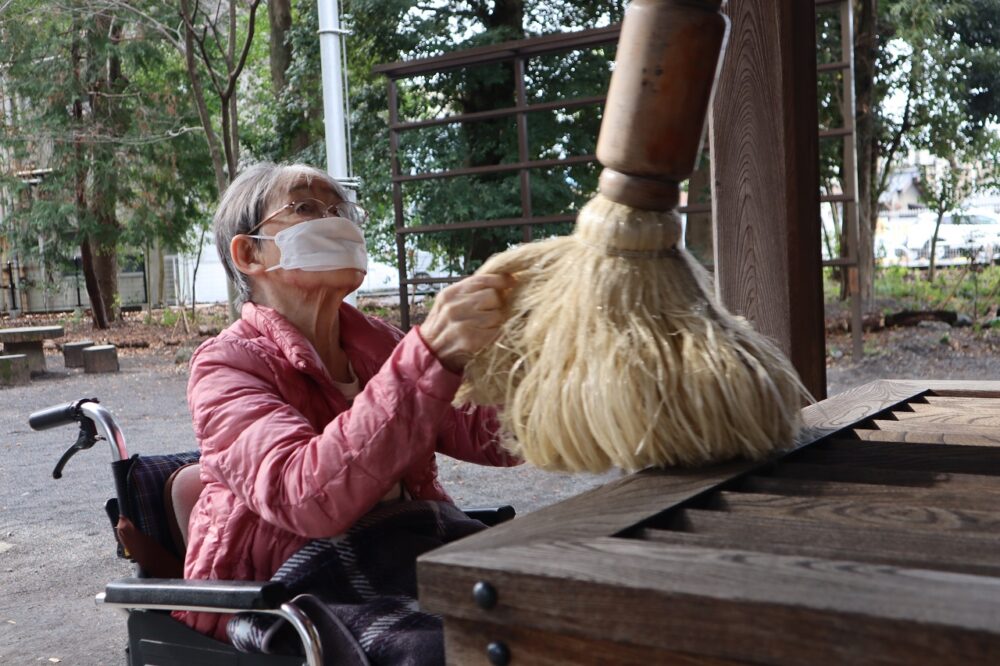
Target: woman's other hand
(466, 317)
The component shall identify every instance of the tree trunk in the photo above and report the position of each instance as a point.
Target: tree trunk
(106, 84)
(279, 14)
(198, 92)
(97, 311)
(225, 157)
(932, 259)
(105, 261)
(161, 276)
(866, 136)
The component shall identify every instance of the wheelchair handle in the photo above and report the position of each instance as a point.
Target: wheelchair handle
(60, 415)
(91, 416)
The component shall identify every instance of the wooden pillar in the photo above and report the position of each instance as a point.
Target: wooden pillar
(765, 173)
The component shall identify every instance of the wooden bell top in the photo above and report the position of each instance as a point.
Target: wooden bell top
(654, 118)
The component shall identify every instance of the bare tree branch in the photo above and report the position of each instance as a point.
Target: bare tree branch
(219, 41)
(199, 97)
(190, 30)
(172, 35)
(235, 74)
(897, 140)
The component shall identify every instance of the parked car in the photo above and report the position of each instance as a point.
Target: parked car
(962, 236)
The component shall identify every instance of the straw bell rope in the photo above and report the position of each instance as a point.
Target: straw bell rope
(616, 352)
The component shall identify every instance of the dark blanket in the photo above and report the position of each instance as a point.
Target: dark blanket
(360, 588)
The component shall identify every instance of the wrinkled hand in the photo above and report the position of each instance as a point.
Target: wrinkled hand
(466, 317)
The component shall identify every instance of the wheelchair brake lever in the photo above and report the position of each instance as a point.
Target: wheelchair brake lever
(85, 440)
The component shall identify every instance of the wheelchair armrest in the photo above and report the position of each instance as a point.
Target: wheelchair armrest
(215, 596)
(232, 595)
(492, 515)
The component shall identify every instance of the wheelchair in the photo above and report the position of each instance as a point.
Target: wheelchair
(154, 496)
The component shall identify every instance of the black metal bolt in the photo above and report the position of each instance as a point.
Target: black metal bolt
(485, 595)
(498, 653)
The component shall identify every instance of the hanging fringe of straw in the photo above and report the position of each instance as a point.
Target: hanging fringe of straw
(616, 354)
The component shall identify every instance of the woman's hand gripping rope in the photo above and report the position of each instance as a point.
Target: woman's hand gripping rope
(466, 317)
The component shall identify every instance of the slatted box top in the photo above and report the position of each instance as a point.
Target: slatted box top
(876, 540)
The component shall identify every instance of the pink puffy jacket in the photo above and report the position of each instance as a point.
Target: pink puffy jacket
(286, 459)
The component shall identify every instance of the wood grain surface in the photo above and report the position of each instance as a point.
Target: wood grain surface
(940, 421)
(842, 550)
(628, 501)
(929, 433)
(466, 644)
(929, 457)
(968, 554)
(984, 495)
(732, 604)
(968, 484)
(765, 179)
(853, 511)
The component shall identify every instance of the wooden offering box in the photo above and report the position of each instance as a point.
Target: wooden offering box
(876, 541)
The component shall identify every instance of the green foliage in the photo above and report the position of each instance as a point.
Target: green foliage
(972, 292)
(290, 121)
(943, 59)
(831, 287)
(906, 289)
(169, 317)
(392, 30)
(127, 158)
(73, 319)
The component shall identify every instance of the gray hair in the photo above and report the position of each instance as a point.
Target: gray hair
(247, 200)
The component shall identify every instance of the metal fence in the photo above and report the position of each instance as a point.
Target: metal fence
(518, 53)
(63, 293)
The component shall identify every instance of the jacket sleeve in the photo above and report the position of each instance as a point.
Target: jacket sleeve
(472, 433)
(314, 483)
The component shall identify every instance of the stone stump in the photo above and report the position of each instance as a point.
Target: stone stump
(73, 353)
(14, 370)
(100, 358)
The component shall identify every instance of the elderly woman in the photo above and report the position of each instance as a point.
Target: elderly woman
(309, 413)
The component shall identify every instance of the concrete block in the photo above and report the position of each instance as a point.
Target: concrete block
(14, 370)
(73, 352)
(100, 358)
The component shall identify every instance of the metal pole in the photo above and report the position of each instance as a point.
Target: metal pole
(523, 151)
(334, 98)
(330, 34)
(397, 206)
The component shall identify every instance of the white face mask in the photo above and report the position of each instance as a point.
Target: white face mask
(325, 244)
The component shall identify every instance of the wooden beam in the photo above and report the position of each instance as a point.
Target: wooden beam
(965, 553)
(732, 604)
(764, 141)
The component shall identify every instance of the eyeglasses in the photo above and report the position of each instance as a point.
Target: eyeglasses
(314, 209)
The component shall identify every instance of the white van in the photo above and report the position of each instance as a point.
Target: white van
(963, 236)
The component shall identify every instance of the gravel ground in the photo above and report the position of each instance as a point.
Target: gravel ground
(932, 350)
(56, 548)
